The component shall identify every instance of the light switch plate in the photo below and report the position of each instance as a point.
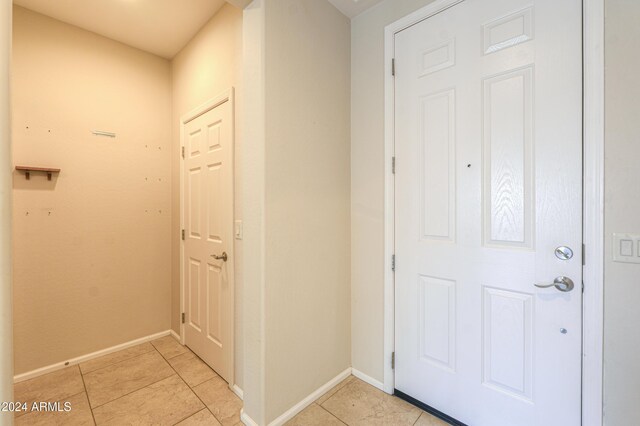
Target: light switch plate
(237, 229)
(626, 248)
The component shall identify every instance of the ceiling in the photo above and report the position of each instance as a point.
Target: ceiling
(162, 27)
(352, 8)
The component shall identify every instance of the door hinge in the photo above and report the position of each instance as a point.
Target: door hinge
(183, 317)
(584, 255)
(393, 67)
(393, 165)
(183, 152)
(393, 360)
(393, 262)
(183, 235)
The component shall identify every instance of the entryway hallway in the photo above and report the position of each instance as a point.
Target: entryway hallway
(163, 383)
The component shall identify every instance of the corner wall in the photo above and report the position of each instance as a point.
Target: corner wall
(208, 65)
(297, 308)
(6, 314)
(92, 247)
(307, 297)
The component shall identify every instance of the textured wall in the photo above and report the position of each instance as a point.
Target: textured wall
(207, 66)
(92, 247)
(622, 203)
(307, 195)
(6, 315)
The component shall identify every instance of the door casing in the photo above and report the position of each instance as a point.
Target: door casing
(593, 200)
(226, 96)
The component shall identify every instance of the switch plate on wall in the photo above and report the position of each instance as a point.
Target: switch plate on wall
(237, 231)
(626, 248)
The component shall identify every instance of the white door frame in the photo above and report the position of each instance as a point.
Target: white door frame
(593, 202)
(226, 96)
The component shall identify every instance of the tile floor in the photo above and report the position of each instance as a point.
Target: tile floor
(164, 383)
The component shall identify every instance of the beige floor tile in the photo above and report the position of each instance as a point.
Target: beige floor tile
(169, 347)
(79, 415)
(334, 389)
(163, 403)
(427, 419)
(314, 415)
(223, 403)
(114, 358)
(116, 380)
(51, 387)
(192, 369)
(203, 417)
(361, 404)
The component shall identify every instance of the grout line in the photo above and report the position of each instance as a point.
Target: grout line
(171, 357)
(117, 362)
(331, 414)
(133, 391)
(333, 391)
(194, 393)
(86, 391)
(191, 388)
(129, 393)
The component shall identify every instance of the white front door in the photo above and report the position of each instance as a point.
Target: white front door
(208, 218)
(488, 184)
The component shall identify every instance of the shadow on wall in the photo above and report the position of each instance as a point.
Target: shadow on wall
(37, 181)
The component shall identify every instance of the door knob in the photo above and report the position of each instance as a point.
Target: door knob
(222, 257)
(563, 284)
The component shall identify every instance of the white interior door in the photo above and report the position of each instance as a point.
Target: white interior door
(488, 145)
(208, 217)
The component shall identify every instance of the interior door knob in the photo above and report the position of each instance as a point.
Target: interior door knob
(563, 284)
(223, 256)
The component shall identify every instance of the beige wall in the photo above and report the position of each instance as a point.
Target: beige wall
(307, 316)
(210, 64)
(253, 165)
(297, 202)
(6, 314)
(622, 204)
(92, 248)
(367, 182)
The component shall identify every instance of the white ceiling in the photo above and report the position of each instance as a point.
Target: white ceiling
(352, 8)
(162, 27)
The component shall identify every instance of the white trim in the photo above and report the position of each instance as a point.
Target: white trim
(368, 379)
(389, 197)
(291, 412)
(593, 271)
(176, 336)
(593, 276)
(244, 417)
(84, 358)
(236, 389)
(226, 96)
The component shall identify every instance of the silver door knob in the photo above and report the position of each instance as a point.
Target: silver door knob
(563, 284)
(223, 256)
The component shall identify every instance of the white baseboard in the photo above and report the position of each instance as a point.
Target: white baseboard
(248, 421)
(291, 413)
(60, 365)
(236, 389)
(368, 379)
(176, 336)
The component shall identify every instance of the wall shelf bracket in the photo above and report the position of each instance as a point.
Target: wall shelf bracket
(28, 170)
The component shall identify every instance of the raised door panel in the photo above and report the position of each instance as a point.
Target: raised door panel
(437, 128)
(508, 154)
